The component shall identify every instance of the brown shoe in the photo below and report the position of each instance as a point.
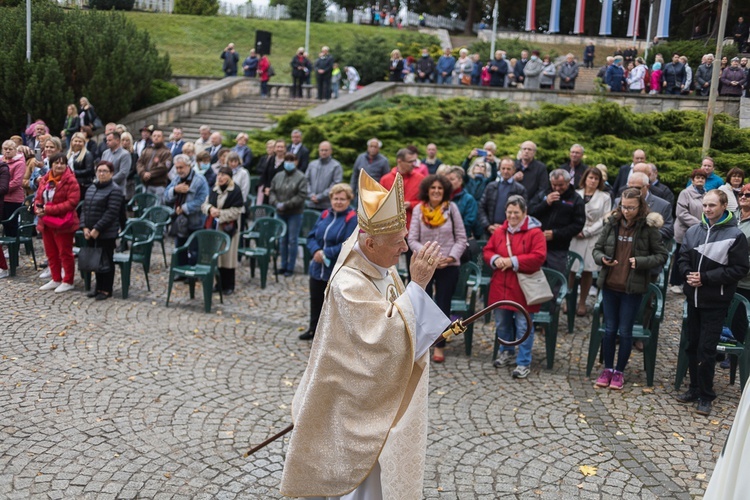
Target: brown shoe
(581, 311)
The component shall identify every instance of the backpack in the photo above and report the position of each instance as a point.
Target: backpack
(271, 72)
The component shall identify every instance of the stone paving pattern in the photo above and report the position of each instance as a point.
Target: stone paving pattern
(130, 399)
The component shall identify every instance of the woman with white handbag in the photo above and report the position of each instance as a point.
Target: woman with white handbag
(517, 249)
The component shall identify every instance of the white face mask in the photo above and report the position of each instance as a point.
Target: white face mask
(534, 58)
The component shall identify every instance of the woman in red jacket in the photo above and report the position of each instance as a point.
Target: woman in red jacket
(55, 205)
(518, 246)
(264, 66)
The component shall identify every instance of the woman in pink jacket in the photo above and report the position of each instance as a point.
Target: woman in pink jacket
(15, 195)
(438, 219)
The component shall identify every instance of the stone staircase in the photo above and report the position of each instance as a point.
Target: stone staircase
(241, 115)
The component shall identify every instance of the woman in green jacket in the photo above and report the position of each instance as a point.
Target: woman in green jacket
(628, 248)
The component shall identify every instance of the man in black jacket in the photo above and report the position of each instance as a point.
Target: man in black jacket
(562, 214)
(299, 150)
(530, 172)
(231, 59)
(740, 33)
(575, 166)
(324, 70)
(674, 76)
(639, 156)
(425, 67)
(498, 70)
(713, 258)
(491, 213)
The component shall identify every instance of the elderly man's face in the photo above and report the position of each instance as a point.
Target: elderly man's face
(639, 157)
(507, 170)
(639, 185)
(205, 134)
(373, 148)
(324, 150)
(389, 248)
(559, 185)
(216, 138)
(182, 169)
(575, 155)
(528, 151)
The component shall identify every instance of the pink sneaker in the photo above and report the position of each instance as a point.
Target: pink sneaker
(605, 377)
(618, 379)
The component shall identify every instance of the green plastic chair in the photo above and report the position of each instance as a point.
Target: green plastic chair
(142, 202)
(256, 212)
(160, 216)
(548, 316)
(738, 355)
(24, 236)
(266, 233)
(211, 244)
(309, 218)
(464, 298)
(141, 234)
(254, 183)
(663, 280)
(653, 302)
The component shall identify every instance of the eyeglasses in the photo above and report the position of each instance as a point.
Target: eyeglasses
(745, 195)
(628, 209)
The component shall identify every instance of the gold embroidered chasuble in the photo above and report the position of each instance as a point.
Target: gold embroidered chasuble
(363, 397)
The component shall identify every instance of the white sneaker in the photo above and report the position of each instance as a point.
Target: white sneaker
(52, 285)
(4, 273)
(675, 289)
(64, 287)
(504, 359)
(46, 274)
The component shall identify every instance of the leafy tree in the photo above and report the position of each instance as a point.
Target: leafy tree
(298, 9)
(74, 53)
(197, 7)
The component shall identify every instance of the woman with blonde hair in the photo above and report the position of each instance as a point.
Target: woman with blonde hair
(464, 67)
(81, 161)
(242, 149)
(72, 124)
(396, 68)
(87, 115)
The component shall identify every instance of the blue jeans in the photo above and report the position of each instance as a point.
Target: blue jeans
(505, 320)
(264, 88)
(620, 309)
(444, 80)
(289, 241)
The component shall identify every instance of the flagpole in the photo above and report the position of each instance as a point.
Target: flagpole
(648, 30)
(494, 31)
(714, 90)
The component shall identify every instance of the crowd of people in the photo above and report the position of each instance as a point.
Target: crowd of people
(514, 210)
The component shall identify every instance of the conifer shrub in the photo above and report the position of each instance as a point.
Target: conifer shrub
(99, 55)
(608, 132)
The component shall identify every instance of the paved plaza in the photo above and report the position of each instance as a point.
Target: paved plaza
(130, 399)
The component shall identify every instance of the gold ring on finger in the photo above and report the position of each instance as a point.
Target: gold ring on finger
(430, 261)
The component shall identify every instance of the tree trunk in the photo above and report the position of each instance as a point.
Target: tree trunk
(350, 14)
(470, 15)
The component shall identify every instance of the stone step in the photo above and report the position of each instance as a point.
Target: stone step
(242, 114)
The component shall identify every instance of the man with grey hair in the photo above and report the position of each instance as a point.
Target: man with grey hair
(531, 173)
(324, 70)
(639, 180)
(299, 150)
(204, 141)
(186, 193)
(321, 175)
(562, 213)
(375, 164)
(154, 164)
(575, 166)
(703, 75)
(568, 73)
(639, 156)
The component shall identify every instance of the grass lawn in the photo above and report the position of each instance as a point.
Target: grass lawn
(194, 43)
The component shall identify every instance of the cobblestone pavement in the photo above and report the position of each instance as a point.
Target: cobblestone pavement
(130, 399)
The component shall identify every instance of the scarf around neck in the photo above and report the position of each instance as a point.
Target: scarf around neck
(434, 217)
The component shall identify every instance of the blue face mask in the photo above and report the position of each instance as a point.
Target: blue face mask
(288, 166)
(204, 166)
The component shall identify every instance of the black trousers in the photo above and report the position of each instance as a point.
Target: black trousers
(443, 283)
(226, 277)
(324, 86)
(297, 82)
(704, 327)
(105, 281)
(317, 294)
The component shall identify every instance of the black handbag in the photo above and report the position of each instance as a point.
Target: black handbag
(180, 226)
(93, 260)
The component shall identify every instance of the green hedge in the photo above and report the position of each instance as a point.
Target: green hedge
(608, 132)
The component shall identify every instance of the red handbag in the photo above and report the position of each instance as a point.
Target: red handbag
(56, 223)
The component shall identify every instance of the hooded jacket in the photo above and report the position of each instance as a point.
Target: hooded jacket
(719, 252)
(648, 249)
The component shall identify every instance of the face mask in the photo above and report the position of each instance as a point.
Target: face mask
(288, 166)
(204, 166)
(425, 54)
(534, 58)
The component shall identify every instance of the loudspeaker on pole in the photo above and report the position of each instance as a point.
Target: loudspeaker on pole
(263, 43)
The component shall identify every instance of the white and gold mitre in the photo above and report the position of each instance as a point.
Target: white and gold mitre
(381, 211)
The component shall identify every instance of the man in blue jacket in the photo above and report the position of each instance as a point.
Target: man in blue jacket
(445, 66)
(674, 76)
(186, 193)
(713, 258)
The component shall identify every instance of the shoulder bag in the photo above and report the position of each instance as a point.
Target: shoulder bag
(91, 259)
(535, 288)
